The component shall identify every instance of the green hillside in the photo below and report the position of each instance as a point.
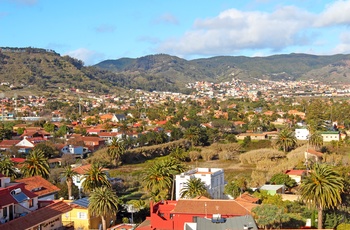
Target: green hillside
(37, 70)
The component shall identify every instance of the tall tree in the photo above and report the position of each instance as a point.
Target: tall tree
(68, 175)
(103, 202)
(7, 167)
(115, 150)
(193, 135)
(281, 178)
(194, 187)
(36, 164)
(322, 189)
(270, 216)
(158, 177)
(95, 177)
(286, 140)
(316, 140)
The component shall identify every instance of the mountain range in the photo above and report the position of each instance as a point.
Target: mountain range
(46, 70)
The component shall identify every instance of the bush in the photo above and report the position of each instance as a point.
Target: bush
(255, 156)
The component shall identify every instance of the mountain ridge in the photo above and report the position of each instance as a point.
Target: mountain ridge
(46, 70)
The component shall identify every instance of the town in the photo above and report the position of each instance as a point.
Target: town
(64, 154)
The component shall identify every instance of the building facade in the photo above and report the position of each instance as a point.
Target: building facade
(212, 177)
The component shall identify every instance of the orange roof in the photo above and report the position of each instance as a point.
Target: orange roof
(34, 183)
(246, 197)
(314, 152)
(41, 215)
(208, 206)
(9, 143)
(295, 172)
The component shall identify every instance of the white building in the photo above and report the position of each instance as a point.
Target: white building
(302, 134)
(212, 177)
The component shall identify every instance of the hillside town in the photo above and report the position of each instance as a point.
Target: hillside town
(77, 134)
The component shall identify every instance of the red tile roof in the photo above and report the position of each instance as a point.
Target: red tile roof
(35, 182)
(39, 216)
(209, 206)
(8, 143)
(18, 160)
(7, 198)
(295, 172)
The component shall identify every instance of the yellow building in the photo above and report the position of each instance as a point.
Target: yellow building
(81, 217)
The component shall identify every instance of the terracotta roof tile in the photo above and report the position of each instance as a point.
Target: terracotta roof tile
(295, 172)
(35, 182)
(39, 216)
(246, 197)
(208, 206)
(7, 198)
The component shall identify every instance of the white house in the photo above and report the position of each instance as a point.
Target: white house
(330, 136)
(302, 134)
(212, 177)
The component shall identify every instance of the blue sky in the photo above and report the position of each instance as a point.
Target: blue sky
(93, 31)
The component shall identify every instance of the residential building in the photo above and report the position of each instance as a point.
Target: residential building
(330, 136)
(313, 155)
(93, 143)
(212, 177)
(20, 208)
(171, 215)
(81, 170)
(302, 134)
(296, 175)
(40, 187)
(81, 218)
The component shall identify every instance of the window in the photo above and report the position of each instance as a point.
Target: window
(82, 215)
(30, 203)
(4, 212)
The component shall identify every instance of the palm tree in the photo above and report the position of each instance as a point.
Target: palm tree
(286, 140)
(322, 189)
(194, 187)
(68, 175)
(95, 177)
(316, 140)
(115, 150)
(193, 135)
(7, 167)
(36, 164)
(159, 177)
(103, 202)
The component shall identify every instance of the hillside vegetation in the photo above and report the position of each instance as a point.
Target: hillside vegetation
(45, 70)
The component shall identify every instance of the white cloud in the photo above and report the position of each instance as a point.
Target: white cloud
(89, 57)
(344, 46)
(235, 30)
(336, 13)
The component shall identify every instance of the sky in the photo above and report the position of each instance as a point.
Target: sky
(94, 31)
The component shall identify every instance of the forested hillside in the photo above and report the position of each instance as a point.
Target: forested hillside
(45, 70)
